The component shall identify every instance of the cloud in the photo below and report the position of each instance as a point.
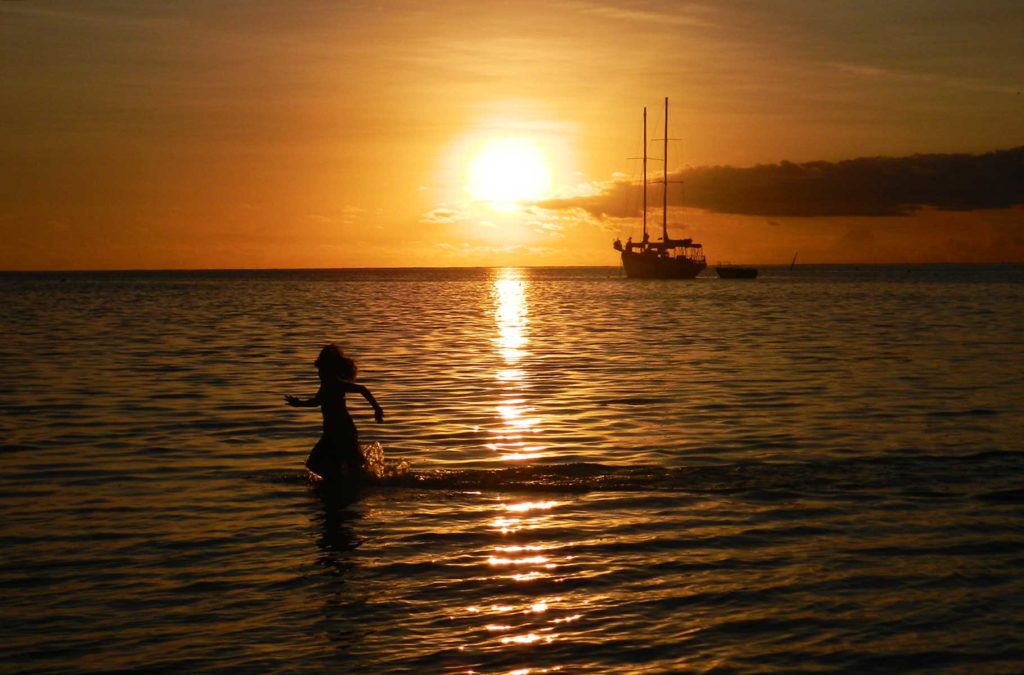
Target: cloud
(441, 216)
(869, 186)
(347, 215)
(864, 71)
(555, 223)
(674, 15)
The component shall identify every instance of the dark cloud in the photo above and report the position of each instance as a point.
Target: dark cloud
(869, 186)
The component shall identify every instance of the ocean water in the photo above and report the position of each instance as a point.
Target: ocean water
(819, 470)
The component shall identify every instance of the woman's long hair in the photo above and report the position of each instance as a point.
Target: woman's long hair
(332, 363)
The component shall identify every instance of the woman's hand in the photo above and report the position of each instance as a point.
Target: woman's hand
(293, 401)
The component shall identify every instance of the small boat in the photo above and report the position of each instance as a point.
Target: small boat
(666, 258)
(735, 272)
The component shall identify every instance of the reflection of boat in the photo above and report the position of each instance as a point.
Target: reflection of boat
(666, 258)
(735, 272)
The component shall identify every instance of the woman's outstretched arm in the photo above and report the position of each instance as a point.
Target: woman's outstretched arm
(378, 412)
(297, 402)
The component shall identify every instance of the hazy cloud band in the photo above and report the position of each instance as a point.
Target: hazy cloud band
(869, 186)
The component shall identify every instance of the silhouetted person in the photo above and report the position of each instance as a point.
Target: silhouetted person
(337, 454)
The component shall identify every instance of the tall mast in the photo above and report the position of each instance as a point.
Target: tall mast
(664, 175)
(645, 173)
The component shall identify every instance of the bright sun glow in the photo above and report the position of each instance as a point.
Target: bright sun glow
(508, 170)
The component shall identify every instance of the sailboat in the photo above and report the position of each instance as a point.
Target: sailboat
(666, 258)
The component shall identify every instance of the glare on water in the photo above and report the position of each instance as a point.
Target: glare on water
(516, 439)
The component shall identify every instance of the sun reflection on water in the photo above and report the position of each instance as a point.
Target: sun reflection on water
(533, 560)
(510, 289)
(522, 507)
(523, 562)
(517, 419)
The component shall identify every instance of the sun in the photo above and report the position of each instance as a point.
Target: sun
(509, 170)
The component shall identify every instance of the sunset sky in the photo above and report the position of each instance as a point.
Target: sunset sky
(212, 134)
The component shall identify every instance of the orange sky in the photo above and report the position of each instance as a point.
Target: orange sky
(324, 134)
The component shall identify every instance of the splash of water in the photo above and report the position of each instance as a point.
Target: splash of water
(378, 467)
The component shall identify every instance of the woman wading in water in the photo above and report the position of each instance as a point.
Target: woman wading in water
(337, 454)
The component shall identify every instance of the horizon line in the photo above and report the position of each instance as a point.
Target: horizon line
(481, 267)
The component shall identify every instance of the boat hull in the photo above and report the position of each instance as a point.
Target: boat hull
(653, 266)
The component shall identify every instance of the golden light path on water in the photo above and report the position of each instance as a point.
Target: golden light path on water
(520, 558)
(512, 440)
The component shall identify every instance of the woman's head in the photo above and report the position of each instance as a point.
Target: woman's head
(332, 362)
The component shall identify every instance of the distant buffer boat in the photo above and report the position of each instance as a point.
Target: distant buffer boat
(667, 258)
(735, 272)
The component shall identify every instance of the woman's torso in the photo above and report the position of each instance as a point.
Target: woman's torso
(332, 405)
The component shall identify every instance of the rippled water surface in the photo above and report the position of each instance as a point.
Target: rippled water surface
(816, 470)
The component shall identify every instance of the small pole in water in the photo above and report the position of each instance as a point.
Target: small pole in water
(792, 264)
